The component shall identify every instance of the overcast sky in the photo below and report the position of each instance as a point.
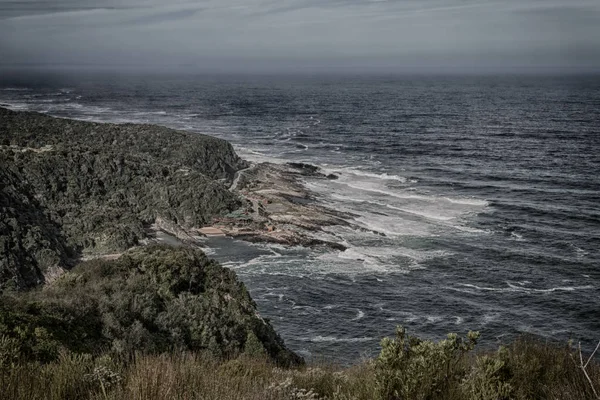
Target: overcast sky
(272, 34)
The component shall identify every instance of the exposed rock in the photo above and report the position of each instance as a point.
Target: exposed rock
(281, 210)
(304, 167)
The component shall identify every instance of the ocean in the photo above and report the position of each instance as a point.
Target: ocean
(479, 195)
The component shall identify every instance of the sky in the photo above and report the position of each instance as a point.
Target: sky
(255, 35)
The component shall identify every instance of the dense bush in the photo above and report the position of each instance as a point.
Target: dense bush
(153, 299)
(411, 368)
(70, 186)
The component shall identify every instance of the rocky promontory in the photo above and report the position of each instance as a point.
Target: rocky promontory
(76, 190)
(82, 206)
(73, 188)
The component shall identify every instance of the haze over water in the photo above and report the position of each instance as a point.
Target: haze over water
(484, 192)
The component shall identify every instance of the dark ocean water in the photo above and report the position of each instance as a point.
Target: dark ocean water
(487, 190)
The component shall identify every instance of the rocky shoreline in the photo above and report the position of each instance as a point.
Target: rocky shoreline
(278, 208)
(74, 191)
(109, 220)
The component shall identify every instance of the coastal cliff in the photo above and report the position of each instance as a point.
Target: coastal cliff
(71, 187)
(72, 191)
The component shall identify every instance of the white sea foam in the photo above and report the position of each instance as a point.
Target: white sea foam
(144, 113)
(516, 236)
(389, 253)
(49, 105)
(381, 259)
(438, 210)
(395, 227)
(366, 174)
(405, 195)
(15, 106)
(360, 315)
(487, 318)
(334, 339)
(554, 289)
(418, 212)
(425, 214)
(467, 201)
(209, 251)
(514, 288)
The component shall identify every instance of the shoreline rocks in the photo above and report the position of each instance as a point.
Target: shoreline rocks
(279, 208)
(75, 190)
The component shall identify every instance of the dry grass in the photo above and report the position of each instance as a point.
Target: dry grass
(531, 369)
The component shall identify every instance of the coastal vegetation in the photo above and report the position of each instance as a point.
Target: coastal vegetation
(153, 299)
(168, 323)
(71, 188)
(137, 320)
(525, 369)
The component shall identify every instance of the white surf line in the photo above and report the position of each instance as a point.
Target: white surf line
(359, 315)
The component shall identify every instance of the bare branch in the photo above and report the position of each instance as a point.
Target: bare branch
(592, 356)
(582, 366)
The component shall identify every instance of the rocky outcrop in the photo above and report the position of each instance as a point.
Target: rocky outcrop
(71, 187)
(280, 209)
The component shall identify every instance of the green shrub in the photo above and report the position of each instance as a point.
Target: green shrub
(488, 379)
(411, 368)
(154, 299)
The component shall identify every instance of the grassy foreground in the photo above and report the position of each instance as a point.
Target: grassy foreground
(407, 368)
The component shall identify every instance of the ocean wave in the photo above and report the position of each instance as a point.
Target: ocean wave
(144, 113)
(209, 251)
(467, 201)
(425, 214)
(390, 253)
(52, 106)
(333, 339)
(403, 195)
(15, 106)
(394, 227)
(514, 288)
(382, 176)
(359, 315)
(418, 212)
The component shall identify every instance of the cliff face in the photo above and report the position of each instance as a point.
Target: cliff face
(71, 186)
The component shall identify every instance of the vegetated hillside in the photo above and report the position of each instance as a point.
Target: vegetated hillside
(153, 299)
(70, 186)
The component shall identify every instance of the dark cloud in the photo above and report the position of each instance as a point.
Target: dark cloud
(288, 34)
